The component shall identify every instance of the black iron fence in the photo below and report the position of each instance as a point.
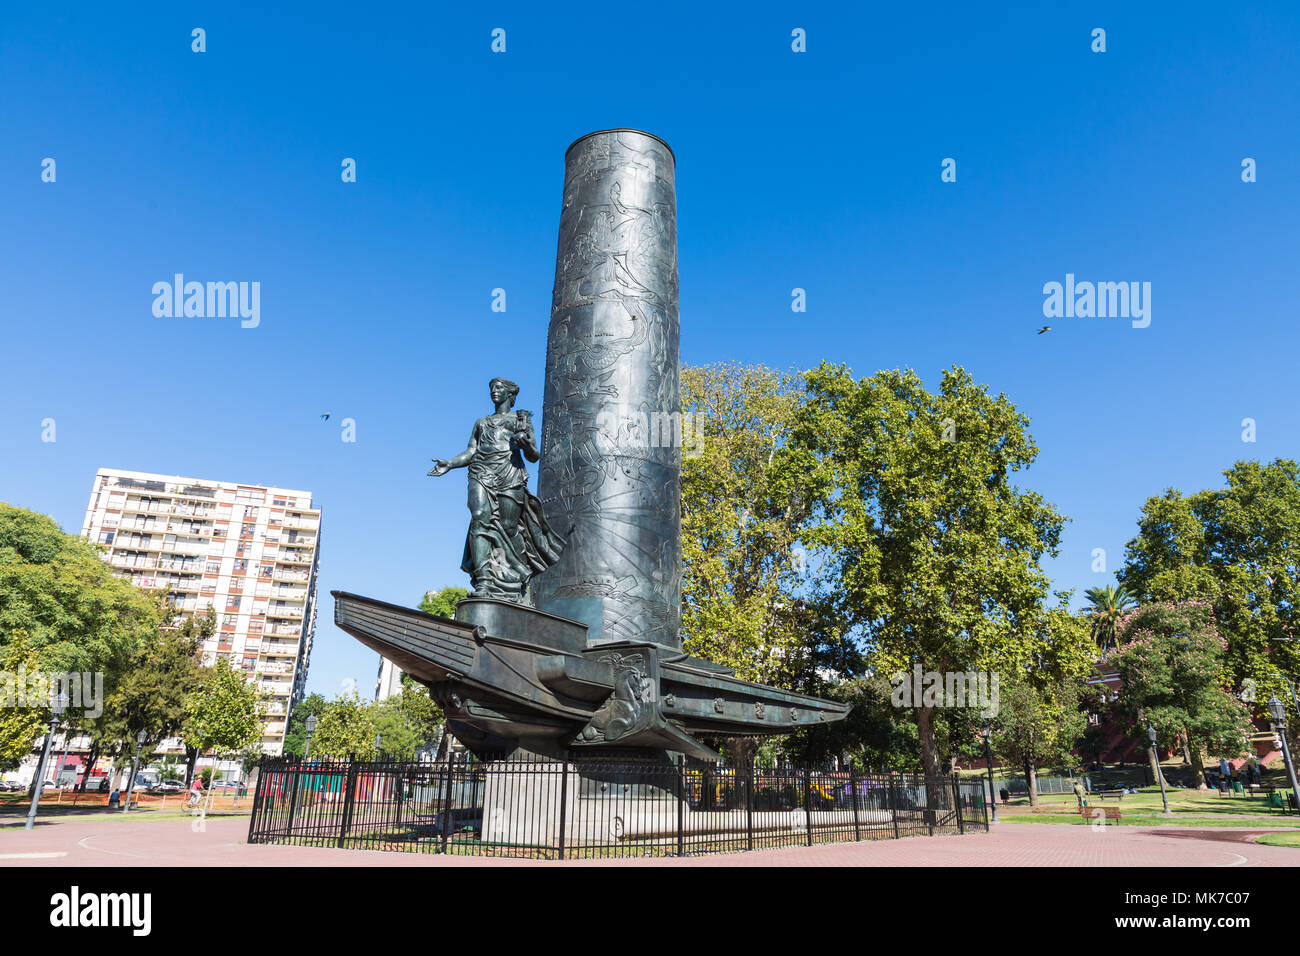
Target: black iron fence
(581, 807)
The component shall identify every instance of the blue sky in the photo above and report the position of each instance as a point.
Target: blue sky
(818, 170)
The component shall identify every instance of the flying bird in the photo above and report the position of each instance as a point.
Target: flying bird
(326, 416)
(1045, 328)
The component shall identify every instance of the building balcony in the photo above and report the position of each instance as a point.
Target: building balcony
(186, 547)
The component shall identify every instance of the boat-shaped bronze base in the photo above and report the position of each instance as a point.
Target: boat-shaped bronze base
(506, 672)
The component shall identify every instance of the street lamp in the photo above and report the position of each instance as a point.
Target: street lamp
(140, 738)
(1151, 732)
(58, 703)
(987, 734)
(311, 729)
(1278, 712)
(379, 745)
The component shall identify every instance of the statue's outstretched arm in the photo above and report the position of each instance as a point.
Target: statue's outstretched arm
(441, 467)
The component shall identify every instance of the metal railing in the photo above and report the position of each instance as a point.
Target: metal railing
(583, 807)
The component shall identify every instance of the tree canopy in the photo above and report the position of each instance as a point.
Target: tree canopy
(1171, 664)
(933, 551)
(55, 589)
(1237, 548)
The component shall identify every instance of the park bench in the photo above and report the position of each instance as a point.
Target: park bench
(1091, 813)
(1117, 794)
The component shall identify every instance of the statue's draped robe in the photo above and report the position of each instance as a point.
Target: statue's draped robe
(498, 467)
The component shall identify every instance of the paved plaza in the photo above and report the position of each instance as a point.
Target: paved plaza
(173, 842)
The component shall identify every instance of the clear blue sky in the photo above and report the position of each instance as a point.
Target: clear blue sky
(817, 170)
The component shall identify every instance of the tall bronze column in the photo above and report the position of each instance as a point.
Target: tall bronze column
(611, 442)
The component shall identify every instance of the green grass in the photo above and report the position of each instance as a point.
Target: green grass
(1160, 820)
(1145, 808)
(1279, 839)
(13, 810)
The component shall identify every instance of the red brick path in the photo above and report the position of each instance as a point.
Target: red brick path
(144, 842)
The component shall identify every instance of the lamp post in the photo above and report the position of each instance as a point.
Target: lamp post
(379, 745)
(1151, 732)
(135, 769)
(57, 704)
(987, 734)
(311, 729)
(1278, 712)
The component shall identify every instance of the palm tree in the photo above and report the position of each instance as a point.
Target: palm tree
(1107, 607)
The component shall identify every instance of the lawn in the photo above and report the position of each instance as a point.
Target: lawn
(1279, 839)
(13, 809)
(1145, 808)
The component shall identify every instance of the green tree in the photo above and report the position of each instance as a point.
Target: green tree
(345, 729)
(73, 614)
(1171, 665)
(442, 603)
(1236, 547)
(1041, 717)
(223, 713)
(163, 674)
(747, 498)
(295, 735)
(1106, 609)
(876, 735)
(20, 725)
(934, 552)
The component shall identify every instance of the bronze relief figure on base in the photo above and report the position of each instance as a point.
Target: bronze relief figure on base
(508, 539)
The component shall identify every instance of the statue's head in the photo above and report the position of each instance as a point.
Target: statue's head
(503, 388)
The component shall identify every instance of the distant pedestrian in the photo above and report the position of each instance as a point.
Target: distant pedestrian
(1080, 793)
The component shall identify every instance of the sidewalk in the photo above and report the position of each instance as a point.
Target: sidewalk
(74, 842)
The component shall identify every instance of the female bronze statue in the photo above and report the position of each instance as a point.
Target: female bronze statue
(508, 540)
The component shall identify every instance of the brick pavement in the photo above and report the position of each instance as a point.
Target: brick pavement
(143, 842)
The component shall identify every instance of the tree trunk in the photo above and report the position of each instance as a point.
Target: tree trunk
(743, 750)
(1031, 781)
(1198, 767)
(191, 757)
(1154, 760)
(91, 759)
(929, 748)
(1187, 750)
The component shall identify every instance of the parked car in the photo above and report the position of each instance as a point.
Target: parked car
(170, 786)
(11, 786)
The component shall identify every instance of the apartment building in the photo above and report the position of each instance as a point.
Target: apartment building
(248, 551)
(389, 679)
